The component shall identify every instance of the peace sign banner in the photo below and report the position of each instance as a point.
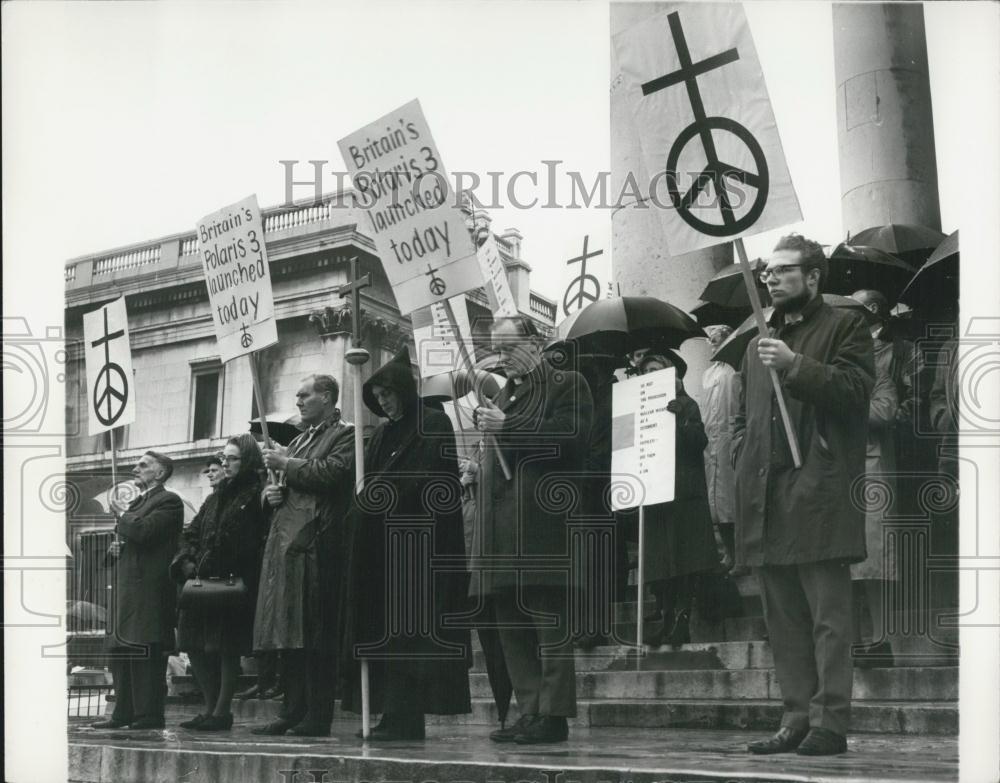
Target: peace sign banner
(238, 278)
(409, 207)
(705, 124)
(108, 357)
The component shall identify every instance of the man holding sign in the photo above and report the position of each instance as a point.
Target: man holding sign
(798, 526)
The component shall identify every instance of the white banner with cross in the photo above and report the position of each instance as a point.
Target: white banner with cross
(108, 359)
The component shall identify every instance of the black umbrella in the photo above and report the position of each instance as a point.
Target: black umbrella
(710, 314)
(458, 383)
(911, 242)
(282, 427)
(856, 267)
(735, 346)
(727, 288)
(624, 323)
(936, 283)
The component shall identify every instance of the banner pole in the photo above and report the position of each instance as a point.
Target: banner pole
(758, 313)
(252, 356)
(491, 441)
(114, 479)
(640, 612)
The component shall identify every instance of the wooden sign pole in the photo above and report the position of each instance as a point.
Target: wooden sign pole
(491, 441)
(758, 313)
(252, 356)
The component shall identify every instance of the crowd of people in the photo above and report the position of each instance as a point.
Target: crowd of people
(288, 562)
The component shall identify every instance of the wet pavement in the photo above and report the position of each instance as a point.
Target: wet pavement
(451, 754)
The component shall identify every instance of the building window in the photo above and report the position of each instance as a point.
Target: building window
(206, 401)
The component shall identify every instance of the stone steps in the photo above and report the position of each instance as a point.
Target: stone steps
(457, 754)
(932, 718)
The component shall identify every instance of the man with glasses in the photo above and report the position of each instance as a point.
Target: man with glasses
(798, 526)
(541, 423)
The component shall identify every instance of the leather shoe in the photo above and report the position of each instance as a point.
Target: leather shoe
(508, 734)
(273, 729)
(216, 723)
(310, 729)
(546, 728)
(252, 692)
(822, 742)
(194, 723)
(785, 740)
(148, 723)
(111, 723)
(275, 692)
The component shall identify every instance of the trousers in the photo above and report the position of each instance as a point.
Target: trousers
(807, 609)
(310, 679)
(538, 649)
(140, 681)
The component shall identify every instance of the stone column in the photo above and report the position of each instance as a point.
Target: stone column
(641, 264)
(885, 127)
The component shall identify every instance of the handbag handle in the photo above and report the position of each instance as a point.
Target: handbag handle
(197, 570)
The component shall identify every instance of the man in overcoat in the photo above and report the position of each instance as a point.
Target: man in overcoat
(297, 598)
(799, 527)
(541, 421)
(144, 597)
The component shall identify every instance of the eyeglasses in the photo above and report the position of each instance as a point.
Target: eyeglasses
(777, 271)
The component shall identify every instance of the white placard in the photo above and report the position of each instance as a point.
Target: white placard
(642, 440)
(497, 286)
(108, 358)
(238, 277)
(437, 348)
(703, 116)
(410, 213)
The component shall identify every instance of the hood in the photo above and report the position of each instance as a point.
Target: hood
(396, 374)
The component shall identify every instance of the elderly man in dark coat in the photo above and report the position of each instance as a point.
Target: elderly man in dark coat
(541, 421)
(406, 575)
(149, 527)
(799, 526)
(297, 599)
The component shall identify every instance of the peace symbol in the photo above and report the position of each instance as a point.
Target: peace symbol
(437, 284)
(110, 396)
(719, 175)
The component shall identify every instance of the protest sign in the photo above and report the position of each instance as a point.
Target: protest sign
(410, 213)
(497, 286)
(434, 336)
(108, 359)
(642, 440)
(238, 278)
(705, 124)
(587, 270)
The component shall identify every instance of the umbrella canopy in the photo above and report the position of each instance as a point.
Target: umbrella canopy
(282, 427)
(732, 350)
(624, 323)
(710, 314)
(936, 283)
(854, 267)
(899, 238)
(727, 289)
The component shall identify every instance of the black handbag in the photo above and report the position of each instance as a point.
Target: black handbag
(213, 594)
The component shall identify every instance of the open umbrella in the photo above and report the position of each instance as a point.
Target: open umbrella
(624, 323)
(936, 283)
(282, 427)
(727, 288)
(459, 383)
(854, 267)
(910, 242)
(732, 350)
(710, 314)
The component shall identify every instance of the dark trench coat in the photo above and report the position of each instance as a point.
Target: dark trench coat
(406, 573)
(145, 598)
(225, 538)
(298, 596)
(544, 439)
(788, 516)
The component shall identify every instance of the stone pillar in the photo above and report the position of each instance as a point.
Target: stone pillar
(641, 264)
(885, 127)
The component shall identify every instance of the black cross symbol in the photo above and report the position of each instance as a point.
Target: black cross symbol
(437, 284)
(109, 392)
(353, 290)
(716, 172)
(583, 280)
